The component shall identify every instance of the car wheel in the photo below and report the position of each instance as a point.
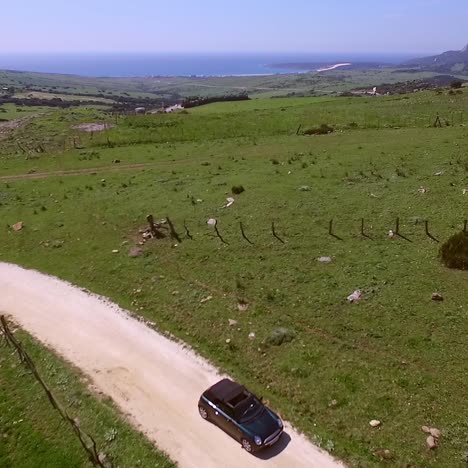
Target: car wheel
(203, 412)
(247, 445)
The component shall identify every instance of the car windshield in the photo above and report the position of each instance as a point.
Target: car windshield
(248, 409)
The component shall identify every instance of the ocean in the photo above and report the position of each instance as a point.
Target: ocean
(177, 64)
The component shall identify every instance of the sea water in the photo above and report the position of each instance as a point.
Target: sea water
(178, 64)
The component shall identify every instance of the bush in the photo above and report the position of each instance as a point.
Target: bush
(279, 336)
(454, 252)
(237, 189)
(456, 84)
(324, 129)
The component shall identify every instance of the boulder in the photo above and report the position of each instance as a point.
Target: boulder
(431, 442)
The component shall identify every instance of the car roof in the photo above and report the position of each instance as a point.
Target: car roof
(225, 390)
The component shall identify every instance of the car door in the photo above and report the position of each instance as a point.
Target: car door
(226, 421)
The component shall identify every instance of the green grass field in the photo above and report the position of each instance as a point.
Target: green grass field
(396, 356)
(334, 81)
(13, 112)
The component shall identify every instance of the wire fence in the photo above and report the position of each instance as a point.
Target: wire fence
(88, 443)
(161, 230)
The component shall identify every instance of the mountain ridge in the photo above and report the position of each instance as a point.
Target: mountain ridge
(452, 61)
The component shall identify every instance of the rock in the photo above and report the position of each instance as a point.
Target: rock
(211, 222)
(252, 336)
(232, 323)
(325, 259)
(242, 306)
(439, 173)
(228, 340)
(135, 252)
(431, 443)
(18, 226)
(57, 244)
(426, 429)
(435, 433)
(383, 454)
(333, 403)
(206, 299)
(437, 297)
(356, 296)
(375, 423)
(115, 251)
(304, 188)
(391, 234)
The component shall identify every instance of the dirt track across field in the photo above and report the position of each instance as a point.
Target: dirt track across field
(77, 172)
(156, 382)
(7, 127)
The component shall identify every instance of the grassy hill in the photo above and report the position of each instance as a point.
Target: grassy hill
(396, 356)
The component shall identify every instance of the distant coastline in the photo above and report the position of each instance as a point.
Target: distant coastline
(333, 67)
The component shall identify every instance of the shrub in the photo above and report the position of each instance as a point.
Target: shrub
(237, 189)
(454, 252)
(456, 84)
(279, 336)
(324, 129)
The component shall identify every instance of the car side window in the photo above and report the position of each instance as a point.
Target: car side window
(226, 409)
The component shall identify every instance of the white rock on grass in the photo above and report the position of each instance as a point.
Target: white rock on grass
(242, 306)
(375, 423)
(325, 259)
(431, 442)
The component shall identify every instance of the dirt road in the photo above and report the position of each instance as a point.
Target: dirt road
(154, 381)
(7, 127)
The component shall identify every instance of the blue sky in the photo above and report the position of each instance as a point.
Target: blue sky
(233, 25)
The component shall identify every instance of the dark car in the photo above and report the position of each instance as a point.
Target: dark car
(241, 414)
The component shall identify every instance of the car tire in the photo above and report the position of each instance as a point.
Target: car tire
(247, 445)
(203, 412)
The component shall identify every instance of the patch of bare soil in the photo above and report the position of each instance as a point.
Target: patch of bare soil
(93, 127)
(7, 127)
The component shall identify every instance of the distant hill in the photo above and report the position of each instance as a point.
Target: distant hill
(453, 61)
